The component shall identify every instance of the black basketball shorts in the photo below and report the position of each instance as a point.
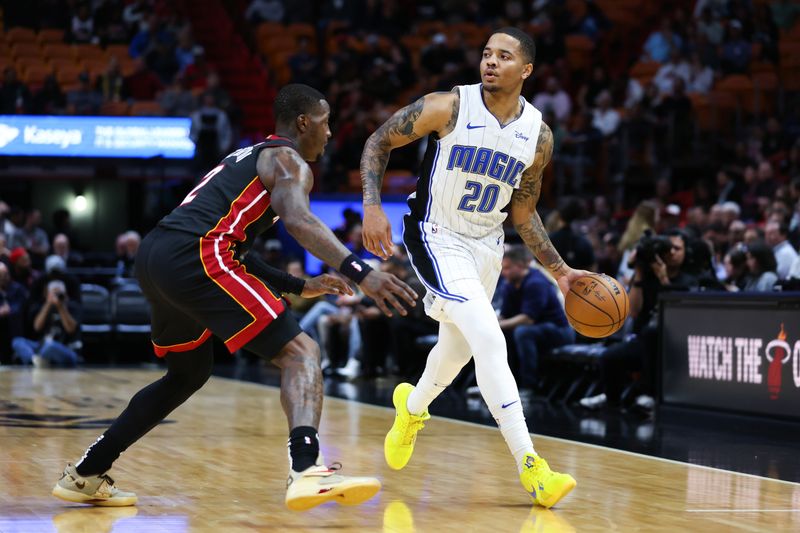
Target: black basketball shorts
(196, 288)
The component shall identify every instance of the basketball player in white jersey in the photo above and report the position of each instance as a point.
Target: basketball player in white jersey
(487, 149)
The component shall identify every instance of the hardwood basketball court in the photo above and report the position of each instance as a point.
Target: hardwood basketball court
(219, 465)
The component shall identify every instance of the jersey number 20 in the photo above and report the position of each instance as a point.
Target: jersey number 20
(479, 198)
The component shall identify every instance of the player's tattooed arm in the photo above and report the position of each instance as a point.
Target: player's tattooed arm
(523, 208)
(433, 112)
(290, 183)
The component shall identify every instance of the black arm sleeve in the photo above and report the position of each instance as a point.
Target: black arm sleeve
(279, 279)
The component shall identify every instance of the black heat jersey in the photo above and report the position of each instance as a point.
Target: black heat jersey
(230, 203)
(189, 270)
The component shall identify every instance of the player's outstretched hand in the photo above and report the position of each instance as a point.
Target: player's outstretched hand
(383, 287)
(566, 280)
(325, 284)
(377, 232)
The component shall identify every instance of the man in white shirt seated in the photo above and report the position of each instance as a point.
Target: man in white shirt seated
(776, 234)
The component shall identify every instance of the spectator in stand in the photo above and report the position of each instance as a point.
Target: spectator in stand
(304, 64)
(62, 223)
(550, 45)
(776, 235)
(675, 109)
(143, 84)
(555, 98)
(84, 100)
(736, 273)
(110, 26)
(49, 100)
(13, 298)
(604, 117)
(161, 58)
(221, 97)
(82, 25)
(710, 27)
(573, 247)
(765, 33)
(437, 54)
(176, 100)
(15, 97)
(196, 74)
(32, 237)
(728, 189)
(5, 253)
(54, 319)
(111, 84)
(127, 246)
(775, 140)
(211, 131)
(644, 218)
(736, 50)
(134, 13)
(784, 13)
(599, 82)
(148, 33)
(677, 67)
(21, 268)
(761, 264)
(265, 11)
(184, 51)
(532, 316)
(14, 220)
(660, 43)
(61, 248)
(609, 256)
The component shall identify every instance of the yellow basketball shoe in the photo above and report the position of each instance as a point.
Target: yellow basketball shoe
(399, 443)
(319, 484)
(545, 486)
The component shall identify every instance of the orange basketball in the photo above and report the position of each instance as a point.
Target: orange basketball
(596, 305)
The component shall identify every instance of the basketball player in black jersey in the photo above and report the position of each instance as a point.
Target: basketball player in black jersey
(200, 281)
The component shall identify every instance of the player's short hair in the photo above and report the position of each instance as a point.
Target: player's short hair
(526, 43)
(519, 254)
(294, 100)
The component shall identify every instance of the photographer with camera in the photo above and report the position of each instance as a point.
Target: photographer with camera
(659, 263)
(55, 326)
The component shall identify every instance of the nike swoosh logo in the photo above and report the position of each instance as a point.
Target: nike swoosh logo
(471, 127)
(507, 404)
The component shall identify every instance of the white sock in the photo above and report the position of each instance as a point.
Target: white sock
(511, 421)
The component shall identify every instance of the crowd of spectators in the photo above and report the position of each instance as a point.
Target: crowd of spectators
(149, 63)
(41, 273)
(726, 204)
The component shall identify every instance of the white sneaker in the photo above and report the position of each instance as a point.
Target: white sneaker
(350, 370)
(319, 484)
(95, 490)
(645, 402)
(39, 361)
(593, 403)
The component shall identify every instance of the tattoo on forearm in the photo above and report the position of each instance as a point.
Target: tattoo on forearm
(534, 235)
(532, 230)
(451, 123)
(378, 146)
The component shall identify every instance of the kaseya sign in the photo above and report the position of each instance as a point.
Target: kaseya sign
(740, 355)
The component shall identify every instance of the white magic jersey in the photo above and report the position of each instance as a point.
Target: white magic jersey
(468, 176)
